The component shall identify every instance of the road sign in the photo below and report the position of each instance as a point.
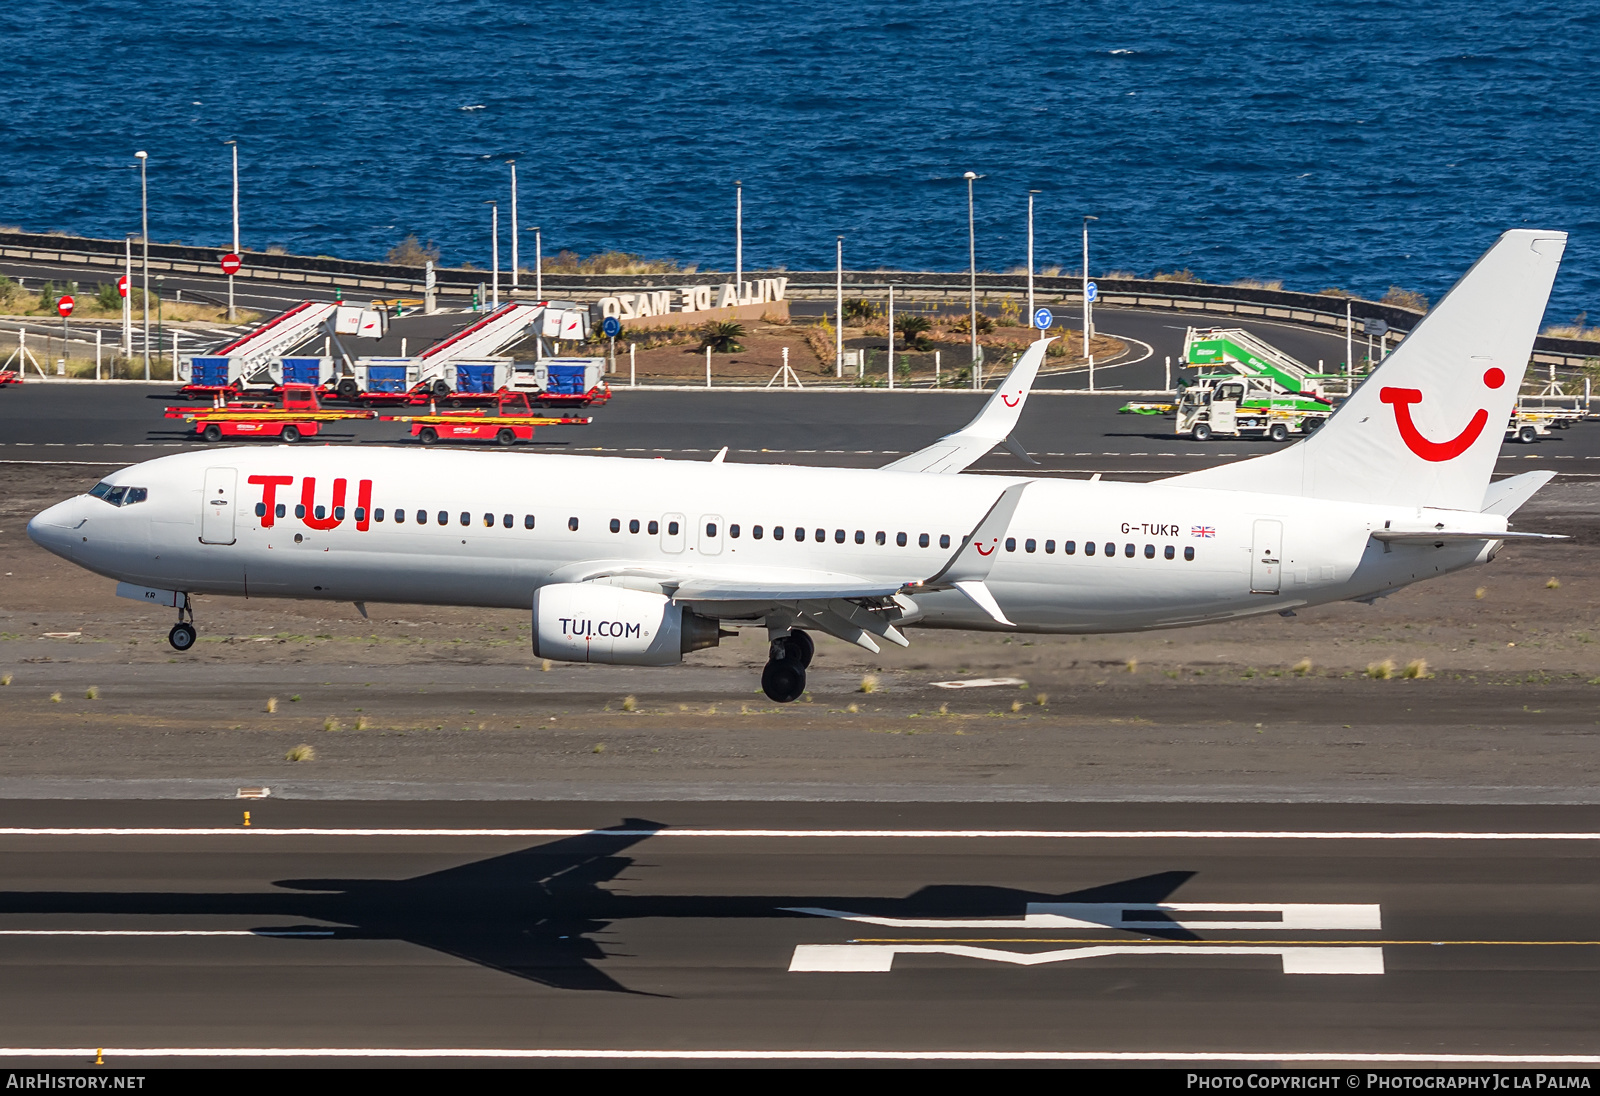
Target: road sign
(64, 306)
(1375, 327)
(122, 286)
(611, 326)
(1042, 319)
(1092, 292)
(230, 264)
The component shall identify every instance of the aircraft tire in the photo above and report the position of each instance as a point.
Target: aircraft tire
(796, 647)
(783, 680)
(1202, 431)
(182, 636)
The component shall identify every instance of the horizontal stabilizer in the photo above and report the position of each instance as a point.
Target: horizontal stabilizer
(992, 426)
(1439, 537)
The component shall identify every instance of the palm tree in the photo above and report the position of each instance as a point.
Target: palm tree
(912, 328)
(722, 338)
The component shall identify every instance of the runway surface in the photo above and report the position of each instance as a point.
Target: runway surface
(812, 930)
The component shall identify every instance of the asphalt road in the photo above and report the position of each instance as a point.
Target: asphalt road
(736, 940)
(1068, 434)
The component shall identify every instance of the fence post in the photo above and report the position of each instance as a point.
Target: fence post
(632, 376)
(936, 369)
(97, 334)
(1168, 375)
(708, 367)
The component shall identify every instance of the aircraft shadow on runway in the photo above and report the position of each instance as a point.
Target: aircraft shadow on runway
(535, 913)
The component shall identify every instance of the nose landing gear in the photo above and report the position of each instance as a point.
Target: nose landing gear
(784, 678)
(183, 633)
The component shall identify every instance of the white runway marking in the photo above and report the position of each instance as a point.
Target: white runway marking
(1369, 1058)
(879, 958)
(978, 683)
(699, 832)
(1297, 916)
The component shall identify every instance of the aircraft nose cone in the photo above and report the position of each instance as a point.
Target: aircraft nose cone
(52, 529)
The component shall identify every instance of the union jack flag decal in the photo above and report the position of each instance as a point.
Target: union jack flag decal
(1203, 531)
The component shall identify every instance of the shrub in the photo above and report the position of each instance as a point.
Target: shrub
(859, 309)
(963, 324)
(1417, 668)
(1184, 275)
(722, 337)
(331, 724)
(92, 693)
(1301, 668)
(1042, 699)
(1405, 298)
(869, 683)
(913, 329)
(301, 752)
(413, 252)
(1381, 671)
(108, 298)
(272, 704)
(630, 704)
(1553, 584)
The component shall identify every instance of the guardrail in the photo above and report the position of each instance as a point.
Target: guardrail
(1318, 310)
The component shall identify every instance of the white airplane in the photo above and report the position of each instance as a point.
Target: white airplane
(640, 562)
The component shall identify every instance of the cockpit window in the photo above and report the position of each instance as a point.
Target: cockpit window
(119, 496)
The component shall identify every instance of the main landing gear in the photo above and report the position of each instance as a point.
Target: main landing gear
(183, 633)
(784, 678)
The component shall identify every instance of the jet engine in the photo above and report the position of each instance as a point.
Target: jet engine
(578, 622)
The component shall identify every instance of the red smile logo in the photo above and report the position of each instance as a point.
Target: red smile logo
(993, 544)
(1010, 401)
(1403, 398)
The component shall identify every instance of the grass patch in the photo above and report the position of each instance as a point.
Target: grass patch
(1301, 668)
(55, 698)
(630, 704)
(599, 747)
(301, 752)
(1133, 665)
(361, 723)
(272, 704)
(1381, 671)
(1553, 584)
(5, 679)
(331, 724)
(1479, 592)
(869, 684)
(1042, 699)
(1417, 668)
(92, 693)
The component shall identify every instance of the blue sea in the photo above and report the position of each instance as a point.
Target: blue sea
(1357, 145)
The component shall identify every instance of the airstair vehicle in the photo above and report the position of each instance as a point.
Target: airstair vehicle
(1235, 350)
(255, 359)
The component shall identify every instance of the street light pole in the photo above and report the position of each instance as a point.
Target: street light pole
(972, 272)
(127, 297)
(232, 312)
(494, 221)
(144, 236)
(515, 272)
(538, 264)
(1086, 315)
(838, 288)
(738, 239)
(1031, 323)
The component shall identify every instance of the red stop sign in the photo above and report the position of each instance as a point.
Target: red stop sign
(64, 306)
(230, 263)
(122, 285)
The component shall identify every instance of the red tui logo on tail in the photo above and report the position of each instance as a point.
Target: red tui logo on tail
(1403, 398)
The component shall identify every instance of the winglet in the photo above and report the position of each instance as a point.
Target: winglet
(975, 557)
(992, 426)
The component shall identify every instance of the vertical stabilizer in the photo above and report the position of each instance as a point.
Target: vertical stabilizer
(1426, 427)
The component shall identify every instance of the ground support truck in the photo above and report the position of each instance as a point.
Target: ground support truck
(513, 420)
(1229, 405)
(298, 415)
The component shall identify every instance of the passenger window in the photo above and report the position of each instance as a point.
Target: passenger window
(572, 523)
(1011, 544)
(1188, 553)
(320, 511)
(488, 521)
(377, 515)
(672, 527)
(1068, 547)
(633, 525)
(861, 536)
(800, 533)
(880, 538)
(527, 521)
(444, 518)
(261, 509)
(1030, 545)
(838, 536)
(1149, 551)
(900, 540)
(280, 509)
(1049, 547)
(922, 540)
(1129, 549)
(299, 510)
(755, 531)
(361, 513)
(506, 520)
(733, 531)
(944, 540)
(399, 517)
(653, 528)
(338, 513)
(136, 494)
(1169, 552)
(466, 518)
(777, 532)
(616, 526)
(1111, 549)
(1088, 547)
(711, 529)
(821, 535)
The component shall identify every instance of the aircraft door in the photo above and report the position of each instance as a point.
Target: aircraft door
(217, 506)
(710, 534)
(672, 535)
(1266, 558)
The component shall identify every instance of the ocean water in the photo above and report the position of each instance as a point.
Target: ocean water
(1317, 142)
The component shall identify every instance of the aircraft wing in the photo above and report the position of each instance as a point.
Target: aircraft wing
(992, 426)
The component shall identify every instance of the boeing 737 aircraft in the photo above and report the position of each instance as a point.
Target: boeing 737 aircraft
(640, 562)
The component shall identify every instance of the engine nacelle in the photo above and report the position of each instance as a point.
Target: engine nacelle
(579, 622)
